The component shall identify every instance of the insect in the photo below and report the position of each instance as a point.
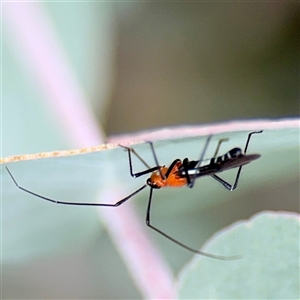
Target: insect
(180, 173)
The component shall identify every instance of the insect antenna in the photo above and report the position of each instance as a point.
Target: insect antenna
(74, 203)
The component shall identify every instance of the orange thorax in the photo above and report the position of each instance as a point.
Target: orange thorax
(173, 180)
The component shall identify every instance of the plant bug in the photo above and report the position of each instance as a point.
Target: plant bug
(180, 173)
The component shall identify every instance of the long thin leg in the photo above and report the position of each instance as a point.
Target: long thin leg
(227, 185)
(191, 182)
(136, 154)
(150, 170)
(218, 146)
(248, 139)
(148, 223)
(185, 164)
(156, 161)
(138, 174)
(74, 203)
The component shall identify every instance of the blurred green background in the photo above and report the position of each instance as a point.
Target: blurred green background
(187, 63)
(149, 65)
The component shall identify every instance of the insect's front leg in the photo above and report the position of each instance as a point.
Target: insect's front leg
(137, 174)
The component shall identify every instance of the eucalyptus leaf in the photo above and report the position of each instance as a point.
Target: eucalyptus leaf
(31, 226)
(268, 269)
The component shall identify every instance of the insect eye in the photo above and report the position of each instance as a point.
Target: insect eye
(152, 184)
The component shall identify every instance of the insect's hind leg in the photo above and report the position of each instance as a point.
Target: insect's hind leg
(227, 185)
(249, 137)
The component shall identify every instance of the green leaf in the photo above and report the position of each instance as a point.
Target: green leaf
(269, 268)
(33, 227)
